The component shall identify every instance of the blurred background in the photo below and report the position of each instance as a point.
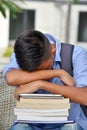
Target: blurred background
(65, 19)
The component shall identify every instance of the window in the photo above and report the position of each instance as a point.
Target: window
(24, 21)
(82, 28)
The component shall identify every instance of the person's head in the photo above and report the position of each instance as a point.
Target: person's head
(33, 51)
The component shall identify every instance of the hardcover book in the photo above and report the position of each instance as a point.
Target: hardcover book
(42, 108)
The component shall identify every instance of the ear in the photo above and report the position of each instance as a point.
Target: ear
(53, 51)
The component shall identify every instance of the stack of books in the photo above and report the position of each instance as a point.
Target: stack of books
(46, 108)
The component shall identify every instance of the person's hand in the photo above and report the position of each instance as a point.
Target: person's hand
(27, 88)
(66, 78)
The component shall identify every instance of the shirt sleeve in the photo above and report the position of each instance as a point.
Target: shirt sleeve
(12, 65)
(80, 66)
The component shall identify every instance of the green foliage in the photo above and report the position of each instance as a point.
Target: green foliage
(72, 1)
(11, 6)
(75, 1)
(8, 52)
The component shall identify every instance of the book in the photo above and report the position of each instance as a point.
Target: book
(41, 118)
(34, 112)
(40, 96)
(43, 101)
(45, 122)
(42, 108)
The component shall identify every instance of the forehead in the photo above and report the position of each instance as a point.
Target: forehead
(45, 65)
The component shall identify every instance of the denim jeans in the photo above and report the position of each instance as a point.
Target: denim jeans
(20, 126)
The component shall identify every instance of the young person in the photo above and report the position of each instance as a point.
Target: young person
(35, 68)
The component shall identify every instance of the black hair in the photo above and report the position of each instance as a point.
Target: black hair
(31, 49)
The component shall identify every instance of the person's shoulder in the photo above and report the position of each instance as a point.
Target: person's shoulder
(79, 48)
(79, 52)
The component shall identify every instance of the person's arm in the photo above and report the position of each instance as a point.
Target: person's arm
(78, 95)
(19, 77)
(35, 85)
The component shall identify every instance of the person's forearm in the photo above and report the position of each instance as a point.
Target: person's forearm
(78, 95)
(18, 77)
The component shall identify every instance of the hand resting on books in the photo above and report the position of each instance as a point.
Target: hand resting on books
(27, 88)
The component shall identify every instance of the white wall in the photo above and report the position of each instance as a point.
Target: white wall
(46, 18)
(4, 30)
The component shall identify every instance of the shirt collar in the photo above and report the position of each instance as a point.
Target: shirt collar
(52, 40)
